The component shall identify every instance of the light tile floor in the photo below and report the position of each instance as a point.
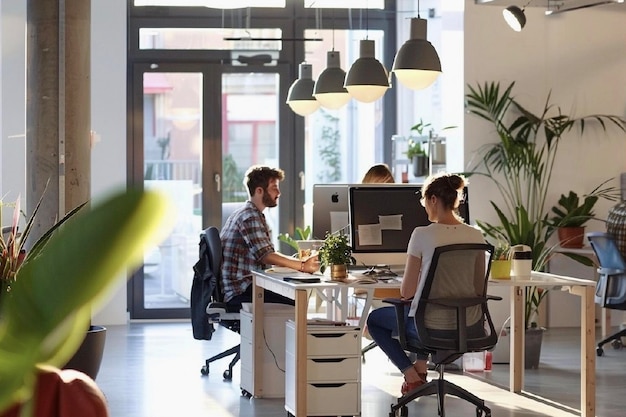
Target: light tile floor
(153, 369)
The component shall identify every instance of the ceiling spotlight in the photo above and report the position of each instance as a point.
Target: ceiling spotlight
(329, 89)
(515, 16)
(300, 96)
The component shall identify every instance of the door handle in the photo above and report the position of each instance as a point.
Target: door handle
(302, 180)
(218, 182)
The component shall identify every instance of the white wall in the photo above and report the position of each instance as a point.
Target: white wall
(579, 57)
(13, 101)
(108, 120)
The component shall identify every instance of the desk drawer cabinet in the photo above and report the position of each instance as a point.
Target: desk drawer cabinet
(333, 370)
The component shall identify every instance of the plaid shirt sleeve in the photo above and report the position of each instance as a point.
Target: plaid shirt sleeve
(245, 242)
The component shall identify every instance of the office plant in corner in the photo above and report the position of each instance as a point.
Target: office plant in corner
(520, 162)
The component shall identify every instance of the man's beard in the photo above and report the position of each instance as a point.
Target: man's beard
(268, 201)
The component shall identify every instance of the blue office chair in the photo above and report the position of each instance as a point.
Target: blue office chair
(611, 286)
(450, 264)
(207, 304)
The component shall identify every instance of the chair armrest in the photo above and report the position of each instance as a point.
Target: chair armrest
(217, 312)
(610, 271)
(494, 297)
(399, 304)
(397, 301)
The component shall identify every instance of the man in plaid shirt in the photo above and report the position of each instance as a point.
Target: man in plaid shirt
(247, 244)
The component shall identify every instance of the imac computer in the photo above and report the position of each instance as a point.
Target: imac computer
(330, 209)
(382, 219)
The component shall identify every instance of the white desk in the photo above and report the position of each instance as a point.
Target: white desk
(300, 293)
(585, 289)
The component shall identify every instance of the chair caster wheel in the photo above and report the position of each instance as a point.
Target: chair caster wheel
(599, 351)
(228, 375)
(204, 370)
(617, 344)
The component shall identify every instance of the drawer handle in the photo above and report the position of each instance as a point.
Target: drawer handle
(327, 385)
(327, 360)
(328, 334)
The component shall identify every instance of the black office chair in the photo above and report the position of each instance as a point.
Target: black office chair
(452, 264)
(208, 269)
(611, 286)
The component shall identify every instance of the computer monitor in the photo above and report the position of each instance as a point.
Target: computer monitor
(330, 209)
(382, 219)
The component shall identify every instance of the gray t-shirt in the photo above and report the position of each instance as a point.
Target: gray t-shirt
(422, 245)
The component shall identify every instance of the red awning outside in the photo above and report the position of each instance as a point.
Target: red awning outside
(155, 83)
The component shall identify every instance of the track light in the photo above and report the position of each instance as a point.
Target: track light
(300, 96)
(367, 80)
(515, 17)
(329, 89)
(417, 64)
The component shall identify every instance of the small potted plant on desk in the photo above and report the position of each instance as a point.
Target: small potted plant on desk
(336, 252)
(501, 261)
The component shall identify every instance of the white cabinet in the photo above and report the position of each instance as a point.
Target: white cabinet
(333, 370)
(272, 366)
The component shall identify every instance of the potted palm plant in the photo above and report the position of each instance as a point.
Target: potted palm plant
(336, 252)
(519, 164)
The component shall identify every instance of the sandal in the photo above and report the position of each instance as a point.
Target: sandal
(410, 386)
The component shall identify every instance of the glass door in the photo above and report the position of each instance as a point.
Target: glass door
(196, 129)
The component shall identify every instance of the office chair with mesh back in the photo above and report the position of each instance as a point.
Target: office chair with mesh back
(611, 285)
(217, 311)
(455, 264)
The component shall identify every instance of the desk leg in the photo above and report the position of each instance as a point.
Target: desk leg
(516, 366)
(301, 362)
(258, 310)
(588, 353)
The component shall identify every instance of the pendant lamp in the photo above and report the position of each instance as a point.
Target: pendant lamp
(329, 89)
(367, 80)
(417, 64)
(300, 96)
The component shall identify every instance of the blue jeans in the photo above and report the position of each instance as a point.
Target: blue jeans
(383, 328)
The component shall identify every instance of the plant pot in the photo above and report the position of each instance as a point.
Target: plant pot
(571, 237)
(532, 347)
(501, 269)
(533, 338)
(420, 165)
(88, 357)
(338, 272)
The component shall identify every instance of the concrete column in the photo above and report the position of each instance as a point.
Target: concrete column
(58, 99)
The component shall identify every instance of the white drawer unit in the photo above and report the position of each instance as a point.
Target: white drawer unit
(333, 370)
(272, 366)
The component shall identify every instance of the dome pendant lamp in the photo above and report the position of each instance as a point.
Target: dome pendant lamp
(300, 96)
(417, 64)
(367, 80)
(329, 89)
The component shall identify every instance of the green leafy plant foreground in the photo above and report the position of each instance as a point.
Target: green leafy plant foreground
(44, 319)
